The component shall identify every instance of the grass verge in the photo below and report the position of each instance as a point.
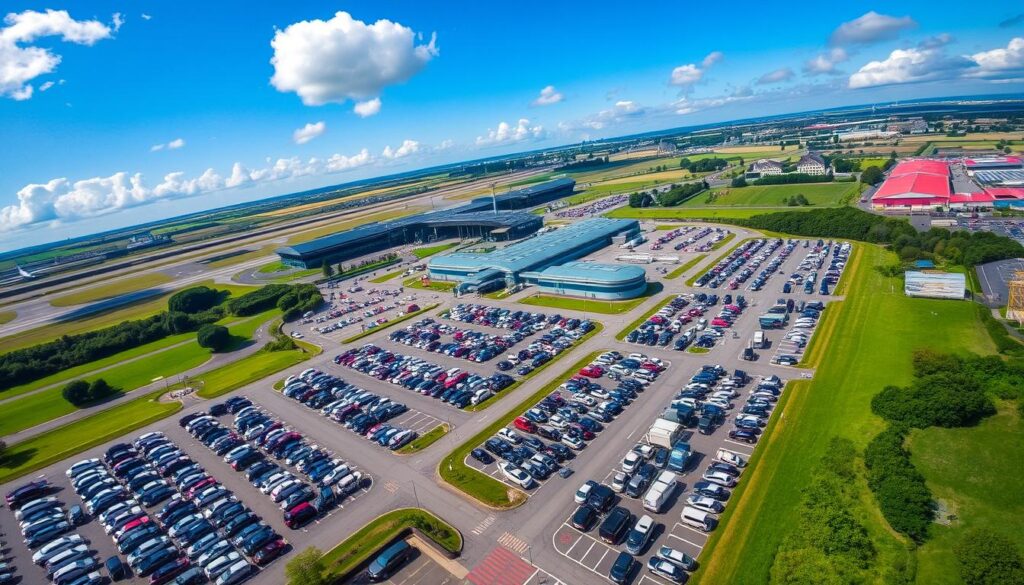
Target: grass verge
(636, 322)
(117, 287)
(390, 323)
(424, 441)
(388, 276)
(693, 262)
(692, 279)
(363, 543)
(426, 251)
(7, 316)
(33, 454)
(484, 488)
(584, 305)
(249, 369)
(696, 349)
(721, 243)
(435, 285)
(876, 330)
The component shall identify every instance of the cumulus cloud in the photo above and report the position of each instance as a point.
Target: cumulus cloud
(21, 61)
(367, 108)
(914, 65)
(507, 133)
(825, 63)
(309, 132)
(621, 111)
(685, 76)
(407, 148)
(65, 200)
(445, 144)
(1002, 62)
(777, 76)
(934, 42)
(172, 145)
(548, 96)
(872, 27)
(341, 59)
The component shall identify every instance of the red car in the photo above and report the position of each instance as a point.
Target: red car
(270, 552)
(592, 371)
(524, 424)
(299, 515)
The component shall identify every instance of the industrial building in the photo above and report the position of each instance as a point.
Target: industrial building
(546, 260)
(935, 285)
(484, 217)
(915, 184)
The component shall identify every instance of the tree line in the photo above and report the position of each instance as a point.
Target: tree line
(704, 165)
(188, 311)
(793, 178)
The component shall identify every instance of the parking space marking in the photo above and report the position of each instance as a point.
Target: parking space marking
(744, 445)
(689, 542)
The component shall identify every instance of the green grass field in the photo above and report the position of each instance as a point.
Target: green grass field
(592, 305)
(866, 344)
(684, 213)
(117, 287)
(818, 194)
(7, 316)
(689, 264)
(272, 267)
(426, 251)
(25, 457)
(355, 549)
(247, 370)
(976, 472)
(388, 276)
(140, 310)
(435, 285)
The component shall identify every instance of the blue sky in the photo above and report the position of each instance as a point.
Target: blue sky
(118, 103)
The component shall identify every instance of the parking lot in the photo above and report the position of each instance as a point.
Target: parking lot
(421, 570)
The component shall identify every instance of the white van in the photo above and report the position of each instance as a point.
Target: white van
(700, 520)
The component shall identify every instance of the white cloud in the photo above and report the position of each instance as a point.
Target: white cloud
(548, 96)
(685, 76)
(118, 20)
(172, 145)
(368, 108)
(341, 59)
(872, 27)
(405, 149)
(912, 65)
(777, 76)
(1001, 62)
(146, 16)
(309, 132)
(67, 201)
(21, 62)
(507, 133)
(445, 144)
(622, 111)
(826, 62)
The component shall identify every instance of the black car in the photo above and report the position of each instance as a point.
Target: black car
(615, 524)
(621, 569)
(601, 498)
(745, 435)
(584, 517)
(482, 456)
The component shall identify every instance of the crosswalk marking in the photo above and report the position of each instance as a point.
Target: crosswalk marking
(483, 525)
(513, 543)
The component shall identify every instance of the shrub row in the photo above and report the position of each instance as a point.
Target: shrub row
(899, 487)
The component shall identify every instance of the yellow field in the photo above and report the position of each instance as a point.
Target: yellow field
(919, 138)
(663, 176)
(634, 154)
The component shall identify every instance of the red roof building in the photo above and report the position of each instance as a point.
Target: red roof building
(915, 183)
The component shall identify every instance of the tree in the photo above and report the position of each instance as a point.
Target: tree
(1007, 150)
(328, 270)
(739, 181)
(100, 389)
(193, 300)
(214, 337)
(871, 175)
(306, 568)
(988, 558)
(637, 200)
(76, 392)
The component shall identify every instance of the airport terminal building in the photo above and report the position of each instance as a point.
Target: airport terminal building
(548, 261)
(476, 219)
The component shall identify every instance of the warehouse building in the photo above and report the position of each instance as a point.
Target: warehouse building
(914, 184)
(476, 219)
(935, 285)
(546, 260)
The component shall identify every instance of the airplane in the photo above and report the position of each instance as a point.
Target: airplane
(25, 273)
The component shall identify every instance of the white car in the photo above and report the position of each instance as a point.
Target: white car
(516, 475)
(645, 451)
(721, 478)
(558, 421)
(510, 436)
(705, 504)
(580, 497)
(631, 462)
(726, 456)
(619, 482)
(573, 442)
(638, 356)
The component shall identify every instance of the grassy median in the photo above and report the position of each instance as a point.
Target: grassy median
(390, 323)
(690, 264)
(482, 487)
(693, 279)
(367, 540)
(424, 441)
(584, 305)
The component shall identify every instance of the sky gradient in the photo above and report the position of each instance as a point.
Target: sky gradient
(116, 113)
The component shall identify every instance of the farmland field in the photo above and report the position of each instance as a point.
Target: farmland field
(818, 194)
(862, 345)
